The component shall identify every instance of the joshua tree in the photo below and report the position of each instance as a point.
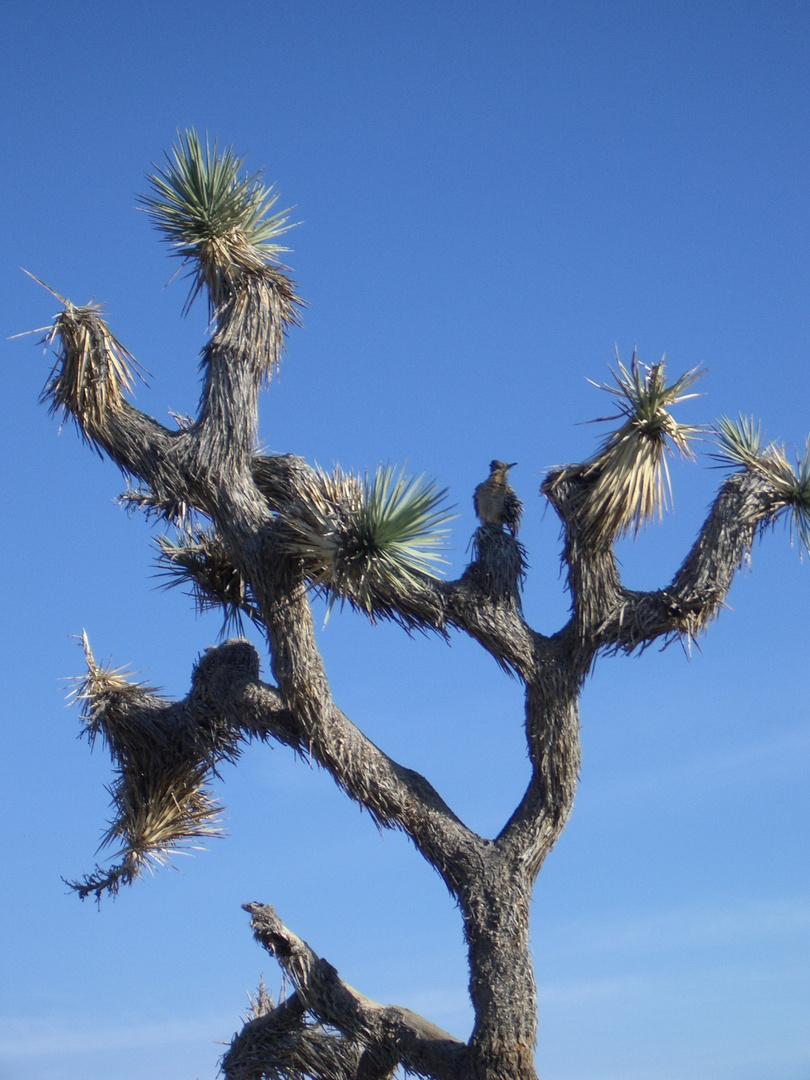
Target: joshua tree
(255, 535)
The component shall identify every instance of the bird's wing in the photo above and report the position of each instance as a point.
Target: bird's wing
(512, 511)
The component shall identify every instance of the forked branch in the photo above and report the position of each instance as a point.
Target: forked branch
(166, 752)
(606, 615)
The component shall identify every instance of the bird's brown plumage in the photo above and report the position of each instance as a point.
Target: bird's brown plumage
(495, 500)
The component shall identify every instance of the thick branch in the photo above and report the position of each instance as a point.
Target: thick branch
(746, 502)
(394, 795)
(607, 615)
(552, 728)
(163, 749)
(394, 1033)
(244, 348)
(592, 574)
(156, 456)
(502, 986)
(495, 621)
(182, 468)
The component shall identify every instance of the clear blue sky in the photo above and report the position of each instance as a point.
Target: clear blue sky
(492, 194)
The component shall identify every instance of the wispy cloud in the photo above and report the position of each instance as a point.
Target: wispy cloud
(689, 926)
(566, 992)
(41, 1036)
(660, 1025)
(784, 756)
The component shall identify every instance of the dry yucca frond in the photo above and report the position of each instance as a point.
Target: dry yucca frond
(93, 370)
(160, 800)
(198, 560)
(161, 810)
(498, 563)
(113, 707)
(165, 506)
(281, 1042)
(251, 319)
(157, 814)
(261, 1003)
(630, 477)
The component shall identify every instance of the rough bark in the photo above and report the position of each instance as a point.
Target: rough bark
(211, 468)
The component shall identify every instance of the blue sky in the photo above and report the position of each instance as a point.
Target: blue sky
(491, 196)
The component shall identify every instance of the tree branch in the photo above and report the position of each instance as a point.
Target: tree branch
(181, 468)
(552, 730)
(744, 505)
(393, 795)
(165, 753)
(394, 1033)
(491, 617)
(607, 615)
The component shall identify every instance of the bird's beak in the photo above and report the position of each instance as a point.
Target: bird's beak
(508, 467)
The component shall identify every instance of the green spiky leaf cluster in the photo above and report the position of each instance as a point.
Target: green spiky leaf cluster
(215, 218)
(197, 560)
(366, 540)
(630, 476)
(740, 443)
(799, 501)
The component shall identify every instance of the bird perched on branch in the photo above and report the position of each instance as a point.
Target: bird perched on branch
(495, 500)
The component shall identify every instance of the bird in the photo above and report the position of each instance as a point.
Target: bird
(495, 501)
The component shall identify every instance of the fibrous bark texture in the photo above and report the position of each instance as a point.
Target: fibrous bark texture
(269, 529)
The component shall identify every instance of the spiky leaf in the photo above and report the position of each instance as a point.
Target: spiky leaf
(216, 219)
(93, 370)
(630, 476)
(739, 442)
(197, 560)
(367, 540)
